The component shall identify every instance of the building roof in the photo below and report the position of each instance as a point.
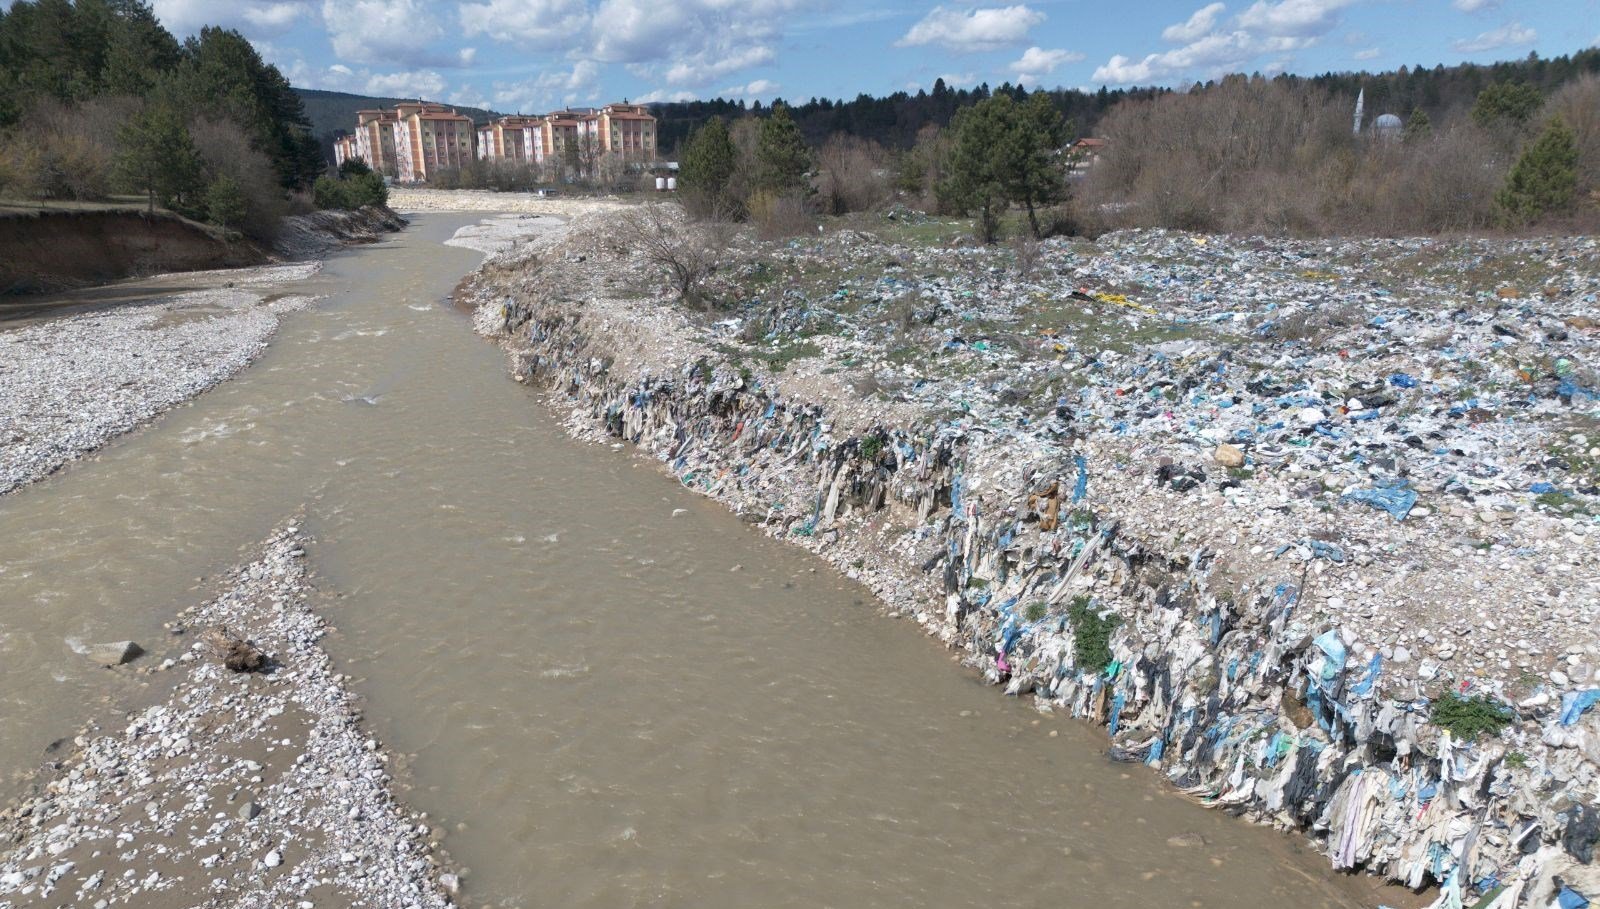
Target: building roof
(1089, 143)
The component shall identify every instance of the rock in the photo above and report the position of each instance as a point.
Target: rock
(1310, 416)
(1229, 455)
(115, 653)
(248, 811)
(1559, 678)
(451, 883)
(273, 859)
(1402, 654)
(1186, 841)
(243, 656)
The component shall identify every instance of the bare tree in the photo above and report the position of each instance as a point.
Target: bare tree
(687, 252)
(853, 175)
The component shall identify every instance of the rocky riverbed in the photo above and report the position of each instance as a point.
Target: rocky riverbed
(1307, 526)
(247, 786)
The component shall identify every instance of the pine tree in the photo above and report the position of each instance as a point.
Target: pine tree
(1544, 179)
(1418, 125)
(709, 160)
(1511, 102)
(225, 202)
(157, 157)
(782, 158)
(973, 181)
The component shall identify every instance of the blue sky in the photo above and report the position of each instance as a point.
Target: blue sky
(535, 55)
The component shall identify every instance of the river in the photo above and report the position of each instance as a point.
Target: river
(613, 694)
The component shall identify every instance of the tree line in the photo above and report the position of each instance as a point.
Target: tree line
(97, 98)
(1240, 154)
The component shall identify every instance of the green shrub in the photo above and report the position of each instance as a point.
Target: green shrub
(1091, 635)
(1036, 611)
(330, 192)
(1466, 718)
(225, 202)
(1544, 179)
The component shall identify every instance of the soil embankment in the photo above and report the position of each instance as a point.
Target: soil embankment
(50, 250)
(54, 250)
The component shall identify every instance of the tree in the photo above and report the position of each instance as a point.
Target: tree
(353, 167)
(1506, 102)
(158, 158)
(1418, 126)
(973, 181)
(782, 157)
(1544, 179)
(1031, 169)
(707, 169)
(225, 202)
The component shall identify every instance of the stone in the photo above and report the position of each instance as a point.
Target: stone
(451, 883)
(248, 811)
(1186, 841)
(1402, 654)
(115, 653)
(273, 859)
(1229, 455)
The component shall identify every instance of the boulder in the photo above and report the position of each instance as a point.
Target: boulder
(1229, 455)
(115, 653)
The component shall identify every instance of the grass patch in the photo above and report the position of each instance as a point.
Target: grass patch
(1091, 635)
(1036, 611)
(1466, 718)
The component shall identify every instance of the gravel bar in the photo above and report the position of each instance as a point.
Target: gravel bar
(239, 789)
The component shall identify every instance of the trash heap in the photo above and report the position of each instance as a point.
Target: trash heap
(1307, 526)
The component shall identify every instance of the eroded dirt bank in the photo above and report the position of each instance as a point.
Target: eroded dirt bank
(1296, 663)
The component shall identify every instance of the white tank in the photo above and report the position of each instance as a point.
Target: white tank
(661, 183)
(672, 184)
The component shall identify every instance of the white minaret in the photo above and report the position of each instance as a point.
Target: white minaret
(1361, 101)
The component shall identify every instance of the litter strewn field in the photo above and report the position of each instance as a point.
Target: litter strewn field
(1308, 525)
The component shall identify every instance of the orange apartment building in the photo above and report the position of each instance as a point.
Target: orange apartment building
(584, 135)
(375, 139)
(344, 148)
(429, 137)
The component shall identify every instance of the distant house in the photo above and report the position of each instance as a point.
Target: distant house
(429, 137)
(344, 149)
(1084, 153)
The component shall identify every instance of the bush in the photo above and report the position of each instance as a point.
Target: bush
(226, 151)
(330, 192)
(356, 192)
(853, 175)
(778, 215)
(687, 253)
(226, 205)
(1091, 635)
(1466, 718)
(1544, 178)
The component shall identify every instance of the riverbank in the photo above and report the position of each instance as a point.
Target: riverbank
(1168, 483)
(70, 384)
(238, 788)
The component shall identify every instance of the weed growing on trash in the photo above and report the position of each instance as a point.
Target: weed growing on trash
(1091, 634)
(1469, 717)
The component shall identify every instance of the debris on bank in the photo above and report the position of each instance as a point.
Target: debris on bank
(251, 785)
(1308, 526)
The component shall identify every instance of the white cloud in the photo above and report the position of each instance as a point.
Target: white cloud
(1371, 53)
(1475, 6)
(1512, 34)
(551, 89)
(381, 31)
(539, 24)
(1297, 18)
(1213, 53)
(760, 88)
(976, 30)
(253, 17)
(425, 84)
(663, 95)
(467, 55)
(706, 66)
(1036, 63)
(1197, 26)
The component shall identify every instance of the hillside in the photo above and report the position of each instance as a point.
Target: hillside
(331, 111)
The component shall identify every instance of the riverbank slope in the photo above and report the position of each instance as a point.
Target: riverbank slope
(1154, 481)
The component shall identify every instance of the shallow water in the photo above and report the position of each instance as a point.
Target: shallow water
(622, 695)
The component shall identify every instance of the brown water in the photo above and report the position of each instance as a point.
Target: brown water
(625, 696)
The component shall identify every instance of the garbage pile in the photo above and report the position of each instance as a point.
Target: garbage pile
(1308, 526)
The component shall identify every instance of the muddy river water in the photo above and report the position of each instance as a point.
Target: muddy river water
(615, 694)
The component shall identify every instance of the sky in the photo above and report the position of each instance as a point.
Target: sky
(531, 56)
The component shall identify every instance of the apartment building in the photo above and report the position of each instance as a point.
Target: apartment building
(584, 136)
(429, 138)
(344, 148)
(515, 138)
(375, 139)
